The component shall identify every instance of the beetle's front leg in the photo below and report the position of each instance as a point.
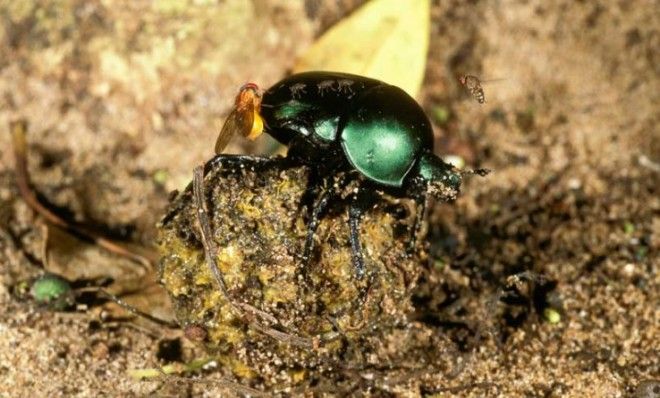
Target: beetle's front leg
(227, 164)
(234, 163)
(355, 212)
(354, 218)
(421, 199)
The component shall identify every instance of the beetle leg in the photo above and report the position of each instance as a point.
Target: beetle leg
(355, 212)
(421, 200)
(319, 208)
(309, 197)
(227, 163)
(321, 205)
(236, 162)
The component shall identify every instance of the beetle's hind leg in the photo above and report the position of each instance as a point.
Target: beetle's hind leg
(318, 210)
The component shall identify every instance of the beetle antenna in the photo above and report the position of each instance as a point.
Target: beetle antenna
(479, 172)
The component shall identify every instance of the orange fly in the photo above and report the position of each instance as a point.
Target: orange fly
(244, 118)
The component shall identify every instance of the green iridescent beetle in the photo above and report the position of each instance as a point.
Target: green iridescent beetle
(336, 123)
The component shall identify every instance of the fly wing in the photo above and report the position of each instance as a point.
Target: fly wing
(239, 121)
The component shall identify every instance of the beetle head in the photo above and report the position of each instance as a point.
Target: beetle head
(443, 180)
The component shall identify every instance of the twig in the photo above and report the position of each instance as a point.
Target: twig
(221, 382)
(250, 308)
(205, 230)
(171, 371)
(463, 387)
(18, 129)
(209, 252)
(130, 308)
(285, 337)
(44, 244)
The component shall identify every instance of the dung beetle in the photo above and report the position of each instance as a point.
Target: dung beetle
(343, 125)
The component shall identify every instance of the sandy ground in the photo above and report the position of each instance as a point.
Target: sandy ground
(122, 102)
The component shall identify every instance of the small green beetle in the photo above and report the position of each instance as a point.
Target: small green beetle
(52, 291)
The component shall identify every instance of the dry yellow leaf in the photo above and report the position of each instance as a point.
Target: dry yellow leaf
(384, 39)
